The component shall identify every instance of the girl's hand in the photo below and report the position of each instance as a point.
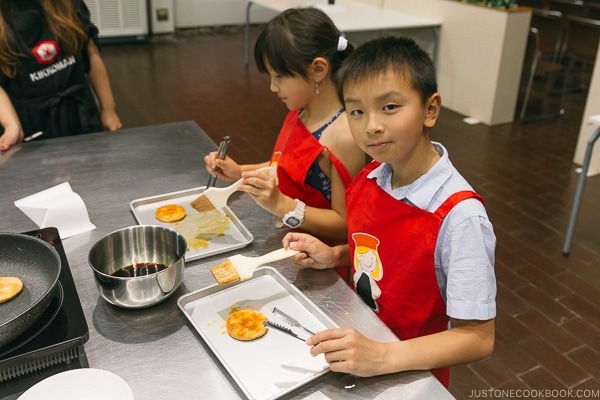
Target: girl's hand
(347, 350)
(313, 252)
(230, 171)
(261, 186)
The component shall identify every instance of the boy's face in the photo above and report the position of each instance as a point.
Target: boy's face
(388, 119)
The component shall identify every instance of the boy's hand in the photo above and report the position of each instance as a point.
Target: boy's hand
(347, 350)
(313, 252)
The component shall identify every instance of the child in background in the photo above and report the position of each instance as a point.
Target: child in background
(420, 244)
(314, 155)
(48, 59)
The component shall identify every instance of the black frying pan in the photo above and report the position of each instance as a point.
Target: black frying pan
(37, 264)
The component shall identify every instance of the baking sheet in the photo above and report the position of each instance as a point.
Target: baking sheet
(275, 364)
(235, 237)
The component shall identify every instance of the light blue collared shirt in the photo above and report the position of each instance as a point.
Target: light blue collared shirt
(464, 253)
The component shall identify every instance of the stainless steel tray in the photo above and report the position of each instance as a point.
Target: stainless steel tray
(235, 237)
(275, 364)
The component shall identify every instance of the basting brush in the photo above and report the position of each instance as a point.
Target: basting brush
(240, 267)
(216, 198)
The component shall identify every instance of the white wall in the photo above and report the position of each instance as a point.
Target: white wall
(198, 13)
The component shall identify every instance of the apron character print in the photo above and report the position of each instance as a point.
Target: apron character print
(368, 268)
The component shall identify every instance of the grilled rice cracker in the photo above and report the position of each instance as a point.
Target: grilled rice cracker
(246, 324)
(10, 287)
(170, 213)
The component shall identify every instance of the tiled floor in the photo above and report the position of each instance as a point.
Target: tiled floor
(548, 324)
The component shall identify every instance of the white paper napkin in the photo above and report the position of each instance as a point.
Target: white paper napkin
(57, 207)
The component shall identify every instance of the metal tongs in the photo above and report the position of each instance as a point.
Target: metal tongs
(212, 180)
(291, 320)
(282, 329)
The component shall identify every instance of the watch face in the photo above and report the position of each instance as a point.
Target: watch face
(292, 222)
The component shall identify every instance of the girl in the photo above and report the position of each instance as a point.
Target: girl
(47, 55)
(314, 155)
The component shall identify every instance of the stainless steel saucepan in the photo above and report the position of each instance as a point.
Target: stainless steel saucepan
(138, 266)
(38, 265)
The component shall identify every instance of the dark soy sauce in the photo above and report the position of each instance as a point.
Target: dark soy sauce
(139, 269)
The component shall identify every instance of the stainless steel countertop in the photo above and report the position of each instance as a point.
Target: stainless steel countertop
(154, 349)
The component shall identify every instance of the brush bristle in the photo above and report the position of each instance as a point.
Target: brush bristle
(202, 204)
(225, 272)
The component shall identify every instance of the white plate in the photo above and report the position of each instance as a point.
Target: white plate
(77, 384)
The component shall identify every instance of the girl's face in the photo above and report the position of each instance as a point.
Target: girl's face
(295, 91)
(388, 119)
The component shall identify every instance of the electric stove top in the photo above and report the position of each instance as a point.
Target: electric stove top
(55, 341)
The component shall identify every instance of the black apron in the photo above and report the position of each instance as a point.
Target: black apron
(50, 92)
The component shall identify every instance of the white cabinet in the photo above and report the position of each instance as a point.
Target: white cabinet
(480, 56)
(592, 107)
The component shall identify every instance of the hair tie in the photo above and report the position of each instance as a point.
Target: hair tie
(342, 43)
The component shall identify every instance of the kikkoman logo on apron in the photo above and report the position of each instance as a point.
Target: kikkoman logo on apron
(46, 52)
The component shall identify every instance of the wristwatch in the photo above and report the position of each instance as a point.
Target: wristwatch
(294, 218)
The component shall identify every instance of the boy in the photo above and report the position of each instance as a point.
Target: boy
(420, 244)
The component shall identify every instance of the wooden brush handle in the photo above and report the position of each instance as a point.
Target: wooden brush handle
(229, 190)
(276, 255)
(235, 185)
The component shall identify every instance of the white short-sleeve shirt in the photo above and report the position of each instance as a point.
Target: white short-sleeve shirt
(464, 253)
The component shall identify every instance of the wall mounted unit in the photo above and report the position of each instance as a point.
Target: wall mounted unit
(162, 16)
(120, 19)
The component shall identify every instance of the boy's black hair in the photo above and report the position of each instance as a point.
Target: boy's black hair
(391, 53)
(293, 39)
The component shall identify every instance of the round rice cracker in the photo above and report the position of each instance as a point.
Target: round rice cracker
(247, 324)
(10, 287)
(170, 213)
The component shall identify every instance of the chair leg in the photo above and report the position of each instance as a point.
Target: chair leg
(579, 192)
(562, 96)
(550, 83)
(526, 97)
(551, 79)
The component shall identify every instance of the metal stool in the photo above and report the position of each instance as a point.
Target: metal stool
(595, 119)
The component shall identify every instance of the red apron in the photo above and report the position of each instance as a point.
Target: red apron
(392, 250)
(295, 151)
